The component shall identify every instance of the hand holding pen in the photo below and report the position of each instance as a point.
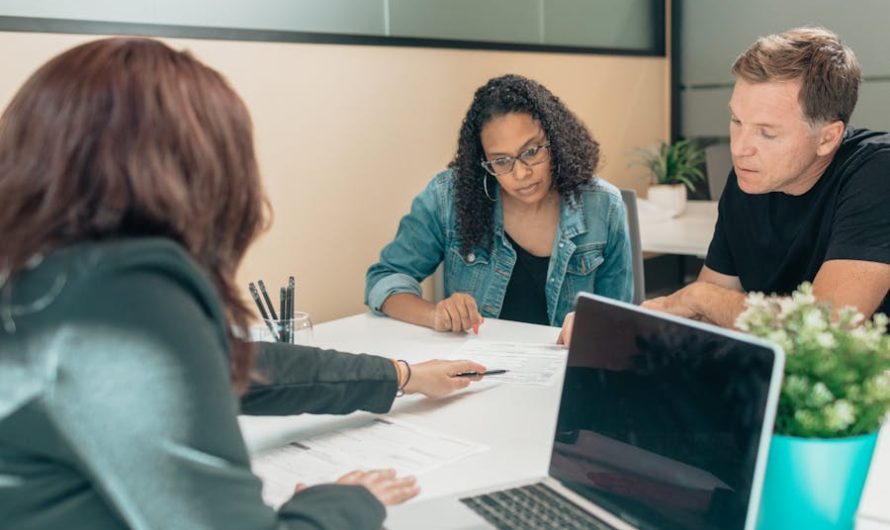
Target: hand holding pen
(437, 378)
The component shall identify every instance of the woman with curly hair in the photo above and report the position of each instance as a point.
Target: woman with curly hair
(520, 220)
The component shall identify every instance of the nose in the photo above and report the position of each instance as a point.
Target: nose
(521, 170)
(740, 144)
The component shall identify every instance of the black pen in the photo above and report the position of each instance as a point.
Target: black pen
(259, 304)
(267, 299)
(475, 374)
(291, 285)
(282, 306)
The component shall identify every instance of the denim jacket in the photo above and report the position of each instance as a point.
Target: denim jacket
(591, 252)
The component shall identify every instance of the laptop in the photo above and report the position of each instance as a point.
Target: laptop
(663, 423)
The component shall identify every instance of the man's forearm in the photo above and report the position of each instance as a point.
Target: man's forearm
(714, 303)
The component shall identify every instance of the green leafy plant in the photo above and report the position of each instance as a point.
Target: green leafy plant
(677, 163)
(837, 365)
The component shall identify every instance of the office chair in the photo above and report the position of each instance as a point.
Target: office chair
(636, 251)
(718, 163)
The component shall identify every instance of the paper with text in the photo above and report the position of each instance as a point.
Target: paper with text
(379, 444)
(528, 363)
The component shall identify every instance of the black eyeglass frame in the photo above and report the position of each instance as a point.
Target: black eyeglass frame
(526, 157)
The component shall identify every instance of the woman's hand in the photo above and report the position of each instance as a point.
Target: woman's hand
(437, 378)
(383, 484)
(565, 336)
(458, 312)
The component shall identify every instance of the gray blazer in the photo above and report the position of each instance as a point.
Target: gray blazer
(116, 409)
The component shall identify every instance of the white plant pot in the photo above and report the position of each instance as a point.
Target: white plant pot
(668, 197)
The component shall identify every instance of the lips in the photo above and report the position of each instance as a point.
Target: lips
(745, 170)
(740, 168)
(528, 190)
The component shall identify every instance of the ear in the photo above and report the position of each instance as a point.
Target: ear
(830, 136)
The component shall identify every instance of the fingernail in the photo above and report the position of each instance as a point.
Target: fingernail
(476, 329)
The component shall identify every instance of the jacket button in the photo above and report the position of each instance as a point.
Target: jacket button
(562, 244)
(471, 257)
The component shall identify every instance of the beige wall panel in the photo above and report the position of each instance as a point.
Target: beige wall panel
(347, 135)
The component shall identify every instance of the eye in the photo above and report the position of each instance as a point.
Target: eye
(767, 135)
(502, 162)
(735, 121)
(530, 152)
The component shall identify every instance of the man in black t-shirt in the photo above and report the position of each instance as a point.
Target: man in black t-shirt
(808, 198)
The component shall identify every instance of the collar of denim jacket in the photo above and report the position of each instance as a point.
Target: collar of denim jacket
(571, 217)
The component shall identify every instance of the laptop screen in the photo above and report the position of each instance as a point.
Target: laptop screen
(660, 421)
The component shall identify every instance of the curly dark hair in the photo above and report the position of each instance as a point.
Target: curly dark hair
(574, 153)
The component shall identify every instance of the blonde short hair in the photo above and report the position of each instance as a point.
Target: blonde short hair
(827, 68)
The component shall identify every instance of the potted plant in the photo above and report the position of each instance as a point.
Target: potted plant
(672, 169)
(835, 394)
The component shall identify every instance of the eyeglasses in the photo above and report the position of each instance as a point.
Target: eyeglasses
(530, 157)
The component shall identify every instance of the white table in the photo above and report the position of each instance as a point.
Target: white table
(687, 234)
(515, 421)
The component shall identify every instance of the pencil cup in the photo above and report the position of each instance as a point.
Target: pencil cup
(297, 330)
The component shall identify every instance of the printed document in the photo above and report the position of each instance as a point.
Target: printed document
(528, 363)
(379, 444)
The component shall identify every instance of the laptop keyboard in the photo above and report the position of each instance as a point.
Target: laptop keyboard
(533, 507)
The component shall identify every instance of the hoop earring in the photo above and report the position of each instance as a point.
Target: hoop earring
(485, 187)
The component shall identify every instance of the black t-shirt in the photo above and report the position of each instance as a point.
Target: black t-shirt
(774, 241)
(525, 300)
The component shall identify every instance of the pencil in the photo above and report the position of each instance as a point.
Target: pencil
(282, 306)
(259, 304)
(291, 286)
(267, 299)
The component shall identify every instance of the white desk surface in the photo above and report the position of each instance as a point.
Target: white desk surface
(515, 421)
(690, 233)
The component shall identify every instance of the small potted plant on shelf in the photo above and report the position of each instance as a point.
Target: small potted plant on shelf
(672, 168)
(834, 397)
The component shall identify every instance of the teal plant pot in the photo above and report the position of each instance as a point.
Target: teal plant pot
(814, 483)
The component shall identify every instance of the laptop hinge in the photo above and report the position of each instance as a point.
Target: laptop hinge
(606, 516)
